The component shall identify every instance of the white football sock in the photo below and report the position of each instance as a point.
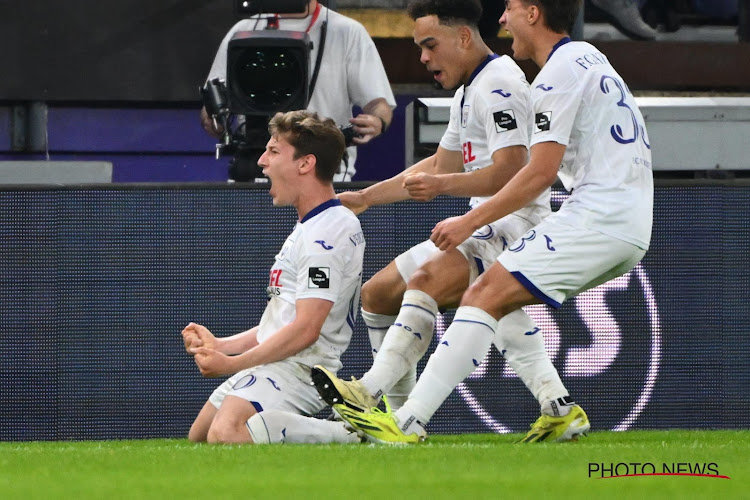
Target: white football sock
(558, 407)
(521, 343)
(276, 426)
(462, 349)
(399, 393)
(377, 327)
(404, 345)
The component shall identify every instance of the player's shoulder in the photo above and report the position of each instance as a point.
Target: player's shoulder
(507, 64)
(330, 212)
(573, 58)
(502, 71)
(501, 82)
(344, 217)
(335, 223)
(562, 72)
(574, 49)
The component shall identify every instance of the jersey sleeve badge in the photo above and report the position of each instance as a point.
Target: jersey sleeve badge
(542, 121)
(319, 277)
(505, 120)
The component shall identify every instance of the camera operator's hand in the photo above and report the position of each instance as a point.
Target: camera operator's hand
(366, 128)
(208, 125)
(374, 120)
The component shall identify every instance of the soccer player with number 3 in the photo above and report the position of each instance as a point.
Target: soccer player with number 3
(589, 132)
(485, 145)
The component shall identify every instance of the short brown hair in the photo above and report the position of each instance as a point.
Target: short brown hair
(559, 15)
(311, 134)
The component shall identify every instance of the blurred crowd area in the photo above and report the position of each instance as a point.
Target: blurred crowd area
(673, 20)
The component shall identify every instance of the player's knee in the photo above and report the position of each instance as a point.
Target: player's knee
(197, 433)
(218, 435)
(380, 297)
(422, 279)
(485, 295)
(223, 433)
(443, 288)
(367, 294)
(495, 299)
(474, 294)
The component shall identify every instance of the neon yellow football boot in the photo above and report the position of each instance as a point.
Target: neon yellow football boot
(567, 428)
(381, 426)
(340, 393)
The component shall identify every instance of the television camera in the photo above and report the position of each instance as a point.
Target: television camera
(268, 71)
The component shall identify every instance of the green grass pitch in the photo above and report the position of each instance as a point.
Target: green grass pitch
(473, 466)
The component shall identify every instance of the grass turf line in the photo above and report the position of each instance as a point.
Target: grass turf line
(460, 466)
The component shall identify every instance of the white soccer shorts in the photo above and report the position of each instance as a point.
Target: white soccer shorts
(283, 385)
(555, 261)
(481, 249)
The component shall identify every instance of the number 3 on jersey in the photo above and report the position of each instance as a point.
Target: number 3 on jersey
(617, 130)
(468, 156)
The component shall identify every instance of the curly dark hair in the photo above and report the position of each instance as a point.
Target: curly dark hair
(559, 15)
(448, 11)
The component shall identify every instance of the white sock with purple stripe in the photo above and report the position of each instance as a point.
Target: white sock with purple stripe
(377, 327)
(462, 349)
(395, 367)
(520, 342)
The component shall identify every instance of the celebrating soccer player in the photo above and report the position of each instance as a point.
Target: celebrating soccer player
(313, 291)
(484, 146)
(589, 132)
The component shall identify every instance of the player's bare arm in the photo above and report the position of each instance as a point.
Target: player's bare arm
(195, 335)
(506, 163)
(393, 189)
(375, 118)
(288, 341)
(238, 343)
(539, 174)
(384, 192)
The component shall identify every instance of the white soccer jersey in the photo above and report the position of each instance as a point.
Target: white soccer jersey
(322, 258)
(493, 111)
(581, 102)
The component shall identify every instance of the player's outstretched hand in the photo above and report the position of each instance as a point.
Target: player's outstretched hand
(422, 187)
(195, 335)
(448, 234)
(212, 363)
(354, 201)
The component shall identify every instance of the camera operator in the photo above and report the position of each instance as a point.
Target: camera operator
(350, 74)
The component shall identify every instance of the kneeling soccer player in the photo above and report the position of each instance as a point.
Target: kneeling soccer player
(313, 293)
